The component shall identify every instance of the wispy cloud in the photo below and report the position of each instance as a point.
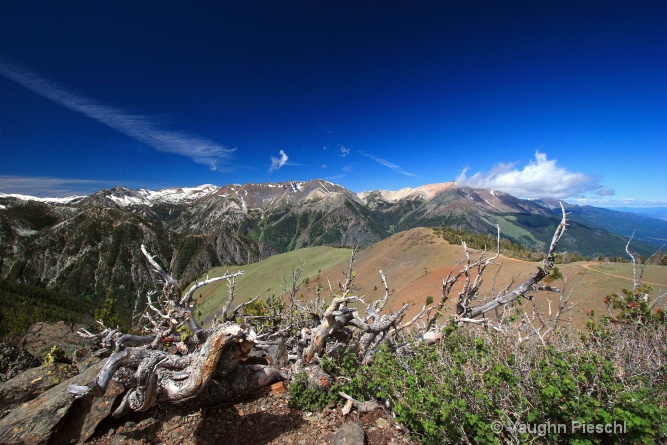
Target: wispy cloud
(614, 203)
(140, 128)
(45, 187)
(325, 129)
(277, 163)
(344, 151)
(541, 178)
(388, 164)
(605, 191)
(334, 177)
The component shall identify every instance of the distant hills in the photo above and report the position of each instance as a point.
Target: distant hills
(651, 212)
(83, 245)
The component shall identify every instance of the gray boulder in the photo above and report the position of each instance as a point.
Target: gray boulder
(54, 417)
(350, 433)
(14, 360)
(40, 338)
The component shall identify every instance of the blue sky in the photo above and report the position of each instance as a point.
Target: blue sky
(540, 99)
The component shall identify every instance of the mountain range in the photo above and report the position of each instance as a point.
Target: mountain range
(86, 244)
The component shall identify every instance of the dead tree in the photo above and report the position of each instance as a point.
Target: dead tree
(472, 275)
(342, 327)
(633, 306)
(170, 367)
(164, 366)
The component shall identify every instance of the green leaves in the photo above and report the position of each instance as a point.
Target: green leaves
(454, 391)
(108, 313)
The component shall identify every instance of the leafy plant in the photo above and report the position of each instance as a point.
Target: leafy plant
(56, 355)
(632, 305)
(306, 397)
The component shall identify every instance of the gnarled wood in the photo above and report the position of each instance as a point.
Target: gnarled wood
(155, 374)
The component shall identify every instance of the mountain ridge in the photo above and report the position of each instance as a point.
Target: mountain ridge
(85, 244)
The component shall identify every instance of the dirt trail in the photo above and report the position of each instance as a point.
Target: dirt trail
(588, 266)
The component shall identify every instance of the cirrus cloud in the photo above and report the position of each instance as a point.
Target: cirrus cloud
(540, 178)
(387, 164)
(139, 128)
(41, 186)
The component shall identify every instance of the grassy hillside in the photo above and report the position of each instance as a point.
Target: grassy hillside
(415, 263)
(265, 277)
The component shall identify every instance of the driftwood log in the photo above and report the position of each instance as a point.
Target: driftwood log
(165, 367)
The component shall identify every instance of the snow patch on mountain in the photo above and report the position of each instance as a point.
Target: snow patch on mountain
(125, 197)
(66, 200)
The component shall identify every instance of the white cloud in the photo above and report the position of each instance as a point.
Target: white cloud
(140, 128)
(541, 178)
(276, 163)
(614, 203)
(344, 151)
(45, 187)
(332, 178)
(388, 164)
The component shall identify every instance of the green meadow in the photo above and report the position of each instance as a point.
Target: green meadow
(267, 277)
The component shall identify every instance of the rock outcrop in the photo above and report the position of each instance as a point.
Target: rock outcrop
(41, 337)
(14, 360)
(33, 382)
(53, 417)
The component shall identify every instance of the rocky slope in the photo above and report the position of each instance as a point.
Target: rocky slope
(84, 246)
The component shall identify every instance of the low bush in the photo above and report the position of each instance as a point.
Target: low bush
(477, 386)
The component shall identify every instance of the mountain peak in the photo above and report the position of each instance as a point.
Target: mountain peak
(123, 196)
(65, 200)
(427, 191)
(272, 193)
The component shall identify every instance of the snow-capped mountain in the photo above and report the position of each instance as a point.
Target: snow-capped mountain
(427, 191)
(65, 200)
(127, 197)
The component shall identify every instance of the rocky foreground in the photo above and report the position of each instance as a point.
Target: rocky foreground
(36, 408)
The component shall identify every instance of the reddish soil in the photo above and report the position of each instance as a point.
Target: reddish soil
(416, 261)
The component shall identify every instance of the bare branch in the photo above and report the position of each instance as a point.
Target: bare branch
(167, 278)
(634, 262)
(542, 271)
(188, 296)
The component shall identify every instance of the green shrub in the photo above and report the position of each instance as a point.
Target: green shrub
(457, 391)
(308, 398)
(56, 355)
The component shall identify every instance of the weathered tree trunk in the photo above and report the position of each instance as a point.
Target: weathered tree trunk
(155, 375)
